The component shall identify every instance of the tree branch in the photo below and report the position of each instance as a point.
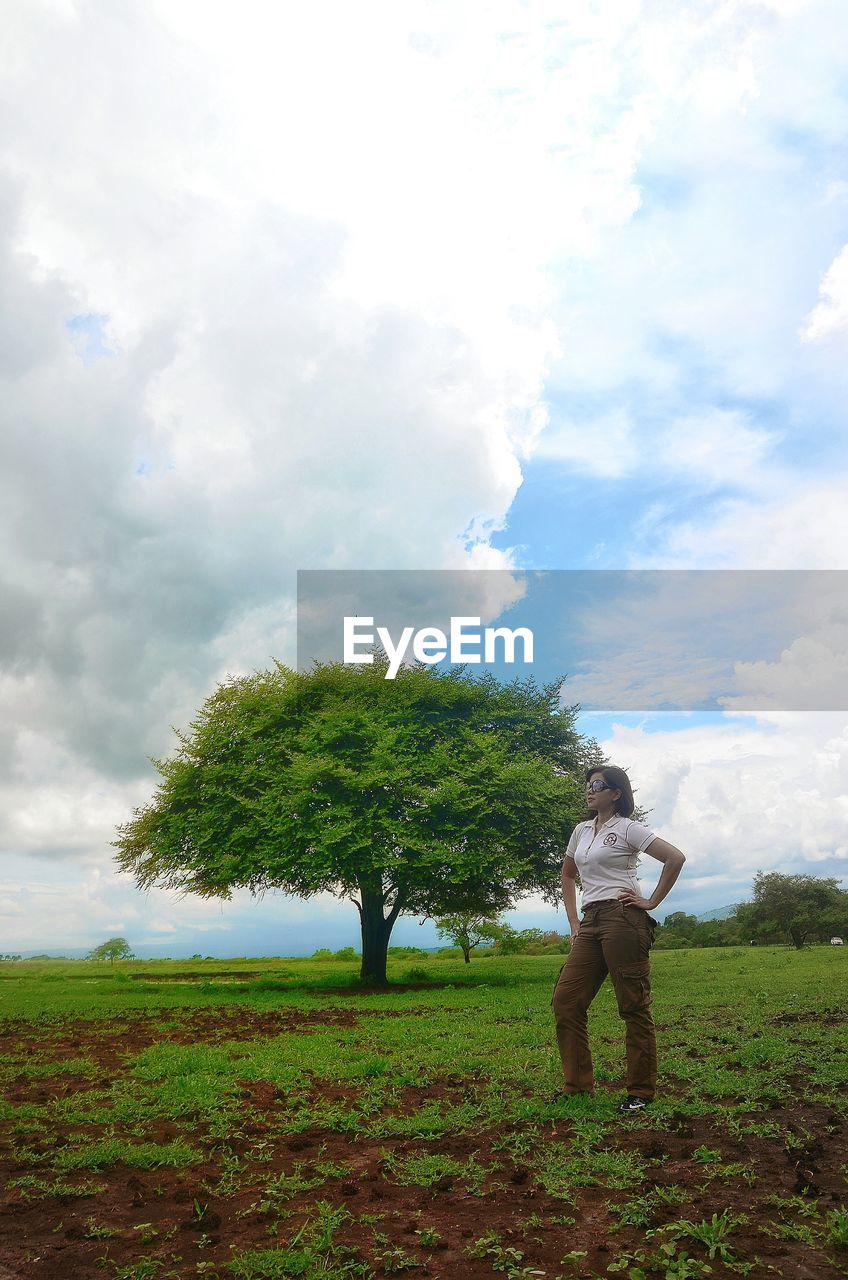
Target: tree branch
(395, 911)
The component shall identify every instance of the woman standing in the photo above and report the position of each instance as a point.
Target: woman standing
(615, 935)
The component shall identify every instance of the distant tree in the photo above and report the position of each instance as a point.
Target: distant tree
(519, 941)
(114, 949)
(680, 922)
(717, 933)
(798, 907)
(677, 930)
(467, 931)
(431, 794)
(555, 942)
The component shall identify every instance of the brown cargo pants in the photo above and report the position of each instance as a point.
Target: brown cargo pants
(614, 940)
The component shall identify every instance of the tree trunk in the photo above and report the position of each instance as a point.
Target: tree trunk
(376, 929)
(466, 951)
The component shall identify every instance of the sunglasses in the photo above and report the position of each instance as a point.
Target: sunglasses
(599, 786)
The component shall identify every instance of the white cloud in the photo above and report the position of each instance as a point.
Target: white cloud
(741, 795)
(322, 253)
(831, 314)
(684, 327)
(810, 672)
(162, 927)
(720, 446)
(603, 445)
(353, 262)
(714, 447)
(790, 525)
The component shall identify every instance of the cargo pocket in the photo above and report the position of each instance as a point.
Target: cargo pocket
(633, 987)
(644, 926)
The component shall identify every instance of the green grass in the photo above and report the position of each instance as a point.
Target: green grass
(313, 1252)
(143, 1155)
(641, 1210)
(430, 1169)
(35, 1188)
(452, 1082)
(564, 1167)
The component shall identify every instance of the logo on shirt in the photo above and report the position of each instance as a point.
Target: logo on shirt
(612, 838)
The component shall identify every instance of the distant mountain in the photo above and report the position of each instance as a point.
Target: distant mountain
(68, 953)
(720, 913)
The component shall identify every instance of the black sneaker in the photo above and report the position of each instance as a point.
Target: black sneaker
(630, 1106)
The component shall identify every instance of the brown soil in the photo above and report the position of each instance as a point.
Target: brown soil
(49, 1239)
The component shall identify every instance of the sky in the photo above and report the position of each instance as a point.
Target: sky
(417, 286)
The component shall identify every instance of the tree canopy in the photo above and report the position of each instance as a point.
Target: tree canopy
(467, 931)
(798, 907)
(430, 794)
(112, 950)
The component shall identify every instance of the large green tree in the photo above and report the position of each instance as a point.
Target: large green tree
(430, 794)
(798, 907)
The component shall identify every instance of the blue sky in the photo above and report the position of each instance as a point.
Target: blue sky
(417, 287)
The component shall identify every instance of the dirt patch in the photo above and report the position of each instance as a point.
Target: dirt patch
(193, 975)
(822, 1017)
(392, 990)
(126, 1035)
(257, 1187)
(173, 1216)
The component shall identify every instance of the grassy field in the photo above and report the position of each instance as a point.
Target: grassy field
(262, 1119)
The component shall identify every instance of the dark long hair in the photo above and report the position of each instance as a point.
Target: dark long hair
(619, 781)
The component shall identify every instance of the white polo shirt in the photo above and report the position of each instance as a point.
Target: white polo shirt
(607, 860)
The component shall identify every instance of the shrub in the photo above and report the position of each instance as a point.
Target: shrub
(416, 974)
